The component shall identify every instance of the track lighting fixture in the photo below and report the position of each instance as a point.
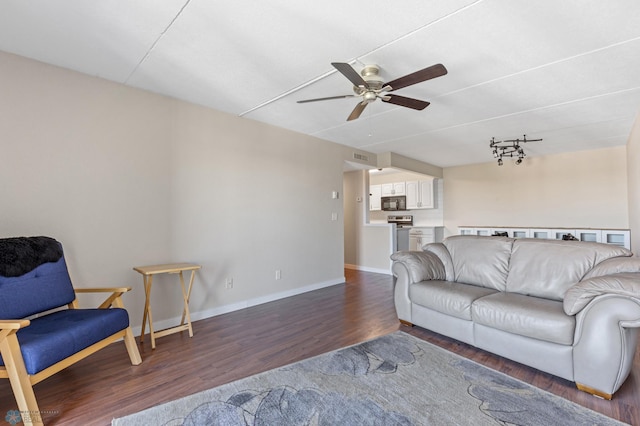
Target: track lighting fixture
(509, 148)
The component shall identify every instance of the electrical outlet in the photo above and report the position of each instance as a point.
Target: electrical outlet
(228, 284)
(278, 274)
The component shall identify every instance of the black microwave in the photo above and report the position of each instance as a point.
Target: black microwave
(394, 203)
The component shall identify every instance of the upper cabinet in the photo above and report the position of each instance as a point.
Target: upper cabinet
(420, 194)
(375, 192)
(391, 189)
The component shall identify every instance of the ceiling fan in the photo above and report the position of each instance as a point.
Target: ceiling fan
(369, 86)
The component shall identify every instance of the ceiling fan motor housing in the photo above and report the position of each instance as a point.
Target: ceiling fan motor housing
(370, 74)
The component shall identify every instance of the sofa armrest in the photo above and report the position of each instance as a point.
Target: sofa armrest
(411, 267)
(605, 343)
(581, 294)
(421, 265)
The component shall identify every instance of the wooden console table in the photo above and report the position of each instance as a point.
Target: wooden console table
(172, 268)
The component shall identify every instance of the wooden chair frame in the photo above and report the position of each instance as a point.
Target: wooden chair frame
(14, 368)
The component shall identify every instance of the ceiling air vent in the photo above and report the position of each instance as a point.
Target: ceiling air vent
(361, 157)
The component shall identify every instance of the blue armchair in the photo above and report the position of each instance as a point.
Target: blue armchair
(37, 337)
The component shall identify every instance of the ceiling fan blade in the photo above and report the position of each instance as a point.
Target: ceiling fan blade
(348, 71)
(357, 111)
(327, 99)
(405, 102)
(428, 73)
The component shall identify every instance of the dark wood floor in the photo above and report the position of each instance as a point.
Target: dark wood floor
(242, 343)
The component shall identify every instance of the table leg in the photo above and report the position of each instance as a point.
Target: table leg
(185, 297)
(148, 280)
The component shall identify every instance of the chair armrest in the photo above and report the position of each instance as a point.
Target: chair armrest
(421, 265)
(581, 294)
(13, 324)
(103, 290)
(114, 299)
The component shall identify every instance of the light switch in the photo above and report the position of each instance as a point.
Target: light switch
(335, 195)
(334, 216)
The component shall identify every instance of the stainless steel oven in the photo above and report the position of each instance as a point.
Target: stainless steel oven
(403, 226)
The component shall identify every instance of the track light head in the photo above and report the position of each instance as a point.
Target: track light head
(509, 148)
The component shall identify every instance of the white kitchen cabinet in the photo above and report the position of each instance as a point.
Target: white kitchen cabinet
(521, 233)
(495, 231)
(392, 189)
(465, 230)
(420, 236)
(375, 192)
(592, 235)
(420, 194)
(617, 237)
(544, 234)
(558, 234)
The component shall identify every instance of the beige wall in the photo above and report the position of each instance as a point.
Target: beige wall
(582, 189)
(354, 199)
(249, 199)
(366, 247)
(85, 161)
(124, 177)
(633, 181)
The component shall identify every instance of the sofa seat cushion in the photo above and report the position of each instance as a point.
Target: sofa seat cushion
(542, 319)
(447, 297)
(57, 336)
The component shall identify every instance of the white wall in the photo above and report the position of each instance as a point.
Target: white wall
(123, 177)
(586, 189)
(633, 181)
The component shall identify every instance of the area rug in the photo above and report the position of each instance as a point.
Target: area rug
(396, 379)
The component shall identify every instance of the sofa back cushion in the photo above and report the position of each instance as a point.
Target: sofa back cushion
(547, 268)
(46, 286)
(442, 253)
(482, 261)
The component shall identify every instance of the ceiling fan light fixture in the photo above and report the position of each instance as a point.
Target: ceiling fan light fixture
(369, 96)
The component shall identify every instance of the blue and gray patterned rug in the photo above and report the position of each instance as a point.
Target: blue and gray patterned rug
(393, 380)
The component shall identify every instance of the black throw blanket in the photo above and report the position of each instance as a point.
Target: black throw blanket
(23, 254)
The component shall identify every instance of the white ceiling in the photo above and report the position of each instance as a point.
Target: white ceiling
(566, 71)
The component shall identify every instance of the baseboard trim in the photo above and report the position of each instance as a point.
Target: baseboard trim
(225, 309)
(367, 269)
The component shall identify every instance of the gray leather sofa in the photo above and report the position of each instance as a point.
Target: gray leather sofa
(568, 308)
